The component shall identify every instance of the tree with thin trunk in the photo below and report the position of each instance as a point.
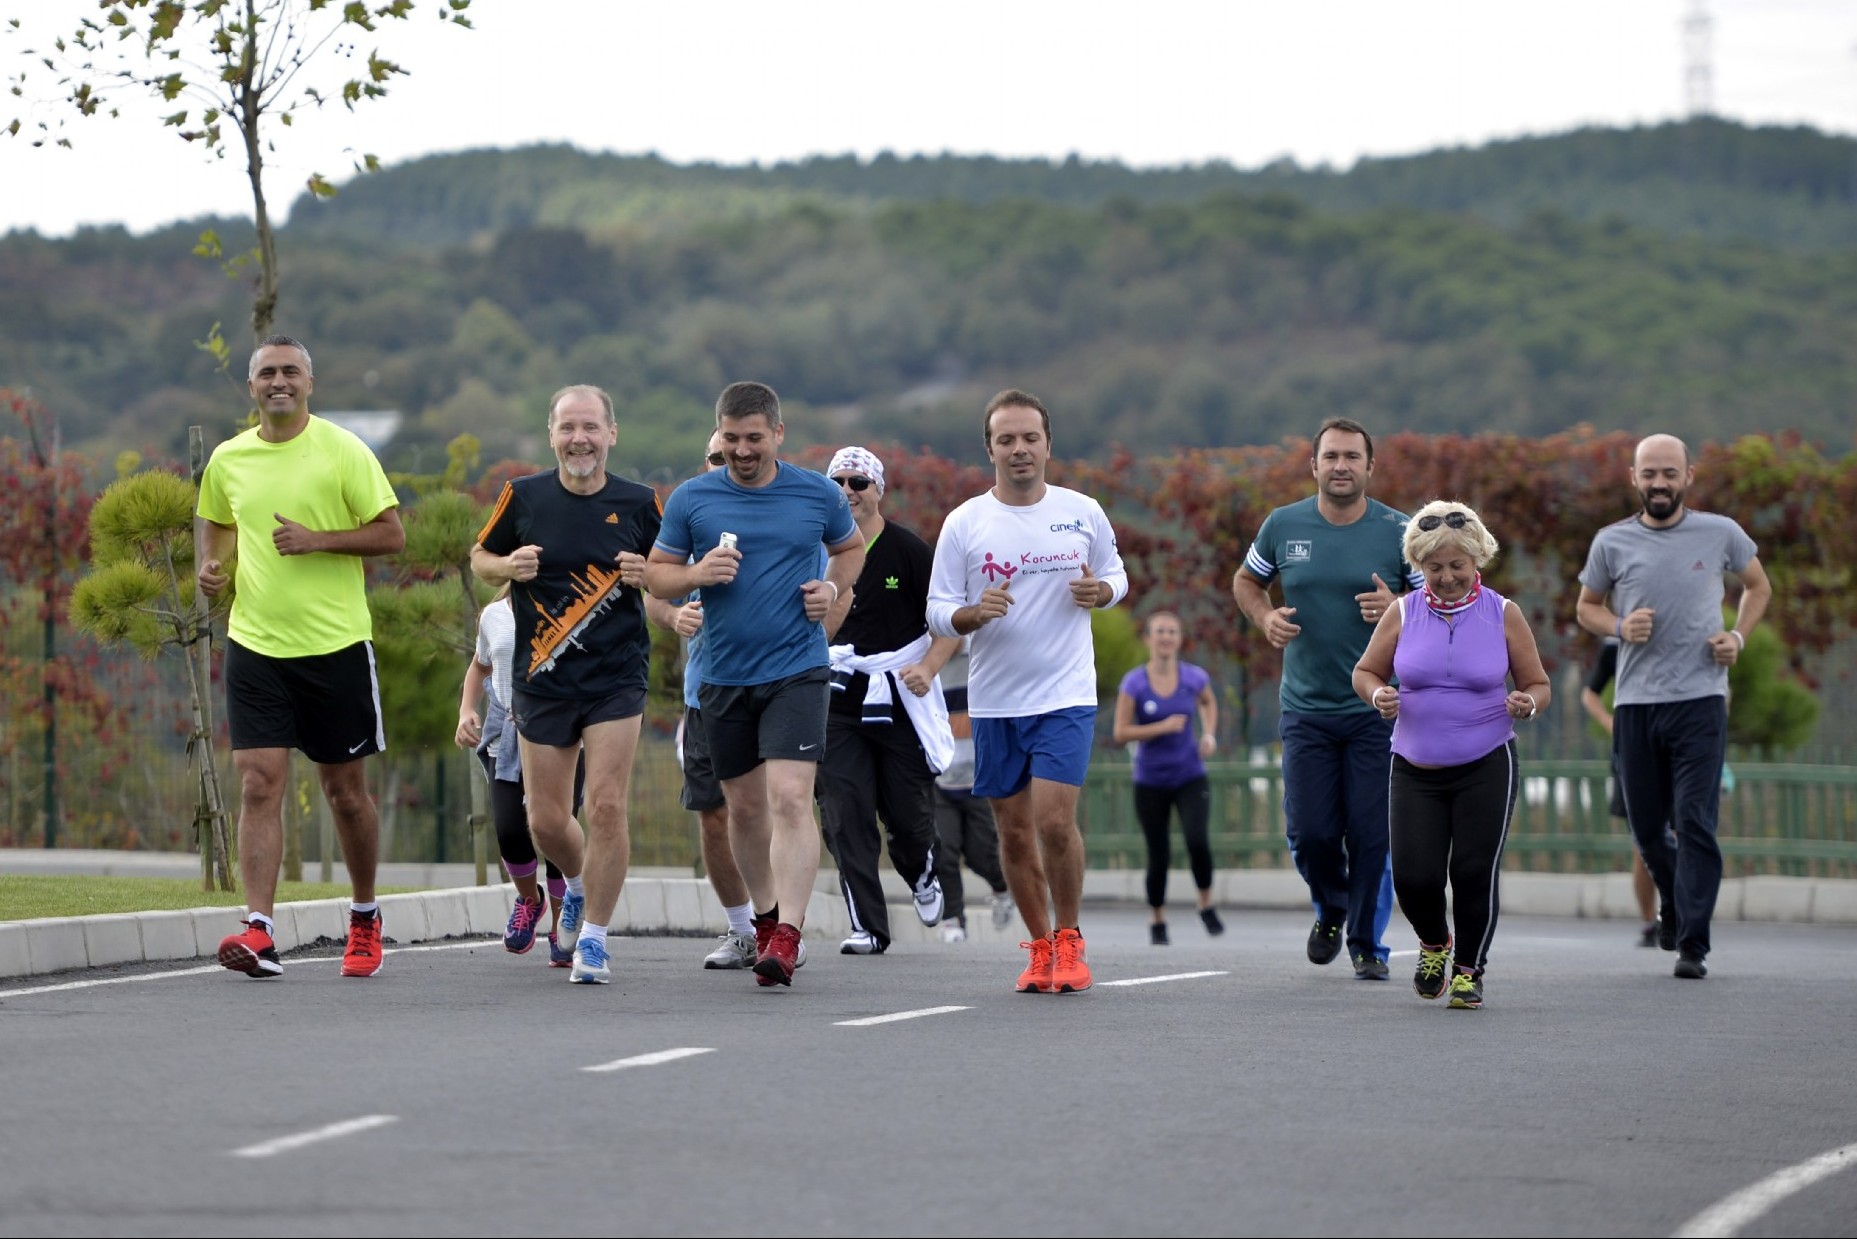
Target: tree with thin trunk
(140, 592)
(232, 71)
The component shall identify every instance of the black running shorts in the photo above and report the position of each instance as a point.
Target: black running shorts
(325, 705)
(558, 721)
(752, 723)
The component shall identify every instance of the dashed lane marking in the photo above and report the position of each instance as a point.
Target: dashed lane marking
(653, 1059)
(895, 1016)
(334, 1131)
(1173, 976)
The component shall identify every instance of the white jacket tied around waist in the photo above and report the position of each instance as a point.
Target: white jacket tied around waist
(928, 713)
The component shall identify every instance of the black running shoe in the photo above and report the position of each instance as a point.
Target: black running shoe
(1370, 968)
(1324, 942)
(1209, 917)
(1666, 926)
(1434, 970)
(1691, 967)
(1157, 933)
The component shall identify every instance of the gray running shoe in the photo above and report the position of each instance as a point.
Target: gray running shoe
(1003, 908)
(733, 951)
(928, 902)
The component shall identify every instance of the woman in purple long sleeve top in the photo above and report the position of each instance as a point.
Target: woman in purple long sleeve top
(1455, 648)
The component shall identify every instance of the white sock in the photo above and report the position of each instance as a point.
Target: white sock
(364, 909)
(575, 888)
(595, 932)
(741, 918)
(259, 918)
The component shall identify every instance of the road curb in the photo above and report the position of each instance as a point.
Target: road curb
(673, 905)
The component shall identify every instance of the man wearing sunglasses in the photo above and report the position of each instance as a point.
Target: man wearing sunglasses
(749, 535)
(1664, 570)
(887, 734)
(1333, 555)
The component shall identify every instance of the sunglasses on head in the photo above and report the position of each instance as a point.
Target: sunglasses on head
(717, 459)
(1456, 520)
(855, 482)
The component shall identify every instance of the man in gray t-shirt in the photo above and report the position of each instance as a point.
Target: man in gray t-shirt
(1663, 570)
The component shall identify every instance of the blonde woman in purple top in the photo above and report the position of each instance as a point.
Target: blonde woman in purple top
(1155, 709)
(1455, 648)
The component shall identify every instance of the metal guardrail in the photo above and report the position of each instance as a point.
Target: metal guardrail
(1793, 820)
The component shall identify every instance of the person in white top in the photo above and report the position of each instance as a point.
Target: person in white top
(1020, 568)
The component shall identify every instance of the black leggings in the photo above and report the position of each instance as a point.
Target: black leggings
(1451, 823)
(510, 814)
(1152, 805)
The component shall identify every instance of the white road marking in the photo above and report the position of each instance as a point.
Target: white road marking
(1176, 976)
(891, 1019)
(652, 1060)
(195, 972)
(284, 1144)
(1729, 1215)
(68, 985)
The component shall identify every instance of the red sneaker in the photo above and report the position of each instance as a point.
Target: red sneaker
(1069, 974)
(1036, 979)
(764, 925)
(252, 952)
(363, 957)
(776, 964)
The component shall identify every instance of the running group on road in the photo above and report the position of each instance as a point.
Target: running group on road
(818, 631)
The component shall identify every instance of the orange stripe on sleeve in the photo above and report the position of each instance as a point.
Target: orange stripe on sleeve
(496, 513)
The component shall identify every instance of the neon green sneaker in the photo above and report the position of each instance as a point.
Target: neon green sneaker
(1466, 991)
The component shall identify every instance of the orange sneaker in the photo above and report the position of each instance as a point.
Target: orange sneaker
(1069, 974)
(363, 957)
(1036, 979)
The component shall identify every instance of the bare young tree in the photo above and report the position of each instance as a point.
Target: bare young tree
(233, 70)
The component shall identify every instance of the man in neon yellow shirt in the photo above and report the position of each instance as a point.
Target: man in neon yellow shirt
(294, 504)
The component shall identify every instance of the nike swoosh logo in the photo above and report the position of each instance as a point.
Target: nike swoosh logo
(806, 748)
(357, 748)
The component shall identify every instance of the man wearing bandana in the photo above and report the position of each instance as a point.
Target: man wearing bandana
(887, 734)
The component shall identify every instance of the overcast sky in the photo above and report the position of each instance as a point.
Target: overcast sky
(1321, 81)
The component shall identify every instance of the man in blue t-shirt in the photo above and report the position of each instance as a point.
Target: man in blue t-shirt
(749, 536)
(1334, 555)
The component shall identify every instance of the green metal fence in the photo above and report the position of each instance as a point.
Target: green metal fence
(1777, 819)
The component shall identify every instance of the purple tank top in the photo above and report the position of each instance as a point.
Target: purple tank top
(1171, 760)
(1453, 682)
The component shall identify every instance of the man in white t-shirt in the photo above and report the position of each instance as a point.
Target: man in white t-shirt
(1020, 568)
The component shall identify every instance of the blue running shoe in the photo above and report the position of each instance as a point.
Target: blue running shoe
(573, 908)
(519, 934)
(590, 963)
(559, 956)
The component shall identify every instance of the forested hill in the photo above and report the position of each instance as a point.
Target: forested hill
(1791, 188)
(464, 289)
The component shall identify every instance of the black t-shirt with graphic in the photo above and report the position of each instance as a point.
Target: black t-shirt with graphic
(579, 632)
(889, 606)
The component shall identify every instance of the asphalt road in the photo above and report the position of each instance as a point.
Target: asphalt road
(1593, 1095)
